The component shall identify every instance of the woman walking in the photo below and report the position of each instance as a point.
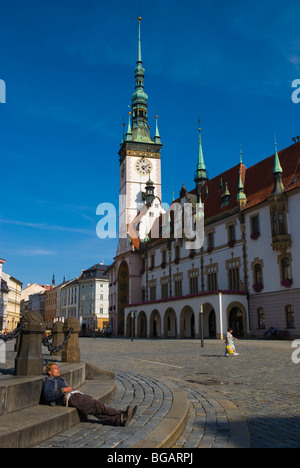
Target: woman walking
(229, 342)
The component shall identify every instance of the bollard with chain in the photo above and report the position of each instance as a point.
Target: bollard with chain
(71, 351)
(58, 336)
(29, 360)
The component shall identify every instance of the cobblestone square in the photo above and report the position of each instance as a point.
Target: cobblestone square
(262, 382)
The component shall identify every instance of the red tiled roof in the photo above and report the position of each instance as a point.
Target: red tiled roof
(258, 182)
(260, 178)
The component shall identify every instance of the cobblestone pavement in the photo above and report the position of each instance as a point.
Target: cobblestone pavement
(262, 382)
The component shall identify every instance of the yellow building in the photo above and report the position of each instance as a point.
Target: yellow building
(14, 303)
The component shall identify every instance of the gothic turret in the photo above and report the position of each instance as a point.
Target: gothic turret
(277, 171)
(201, 175)
(241, 196)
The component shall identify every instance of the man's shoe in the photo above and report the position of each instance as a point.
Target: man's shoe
(127, 415)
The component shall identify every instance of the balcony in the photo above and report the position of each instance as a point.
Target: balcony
(281, 243)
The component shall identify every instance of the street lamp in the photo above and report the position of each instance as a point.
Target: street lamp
(201, 326)
(132, 317)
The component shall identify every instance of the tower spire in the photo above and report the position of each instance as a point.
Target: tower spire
(201, 175)
(278, 172)
(129, 133)
(139, 100)
(277, 165)
(241, 196)
(157, 135)
(139, 60)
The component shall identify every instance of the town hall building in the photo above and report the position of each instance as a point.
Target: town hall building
(245, 276)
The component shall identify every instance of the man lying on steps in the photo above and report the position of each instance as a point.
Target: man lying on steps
(56, 392)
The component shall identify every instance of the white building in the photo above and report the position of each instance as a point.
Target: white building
(94, 297)
(86, 298)
(69, 300)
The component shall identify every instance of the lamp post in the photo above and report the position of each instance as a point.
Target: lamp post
(201, 326)
(132, 317)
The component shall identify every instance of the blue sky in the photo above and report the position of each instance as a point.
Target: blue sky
(69, 73)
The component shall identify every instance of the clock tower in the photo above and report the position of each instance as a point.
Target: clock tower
(140, 155)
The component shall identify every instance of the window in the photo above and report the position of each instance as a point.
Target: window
(261, 318)
(178, 284)
(255, 224)
(212, 283)
(231, 233)
(152, 289)
(234, 279)
(286, 269)
(233, 268)
(165, 291)
(152, 261)
(274, 225)
(178, 288)
(278, 224)
(152, 293)
(257, 270)
(290, 319)
(194, 285)
(258, 278)
(212, 277)
(177, 252)
(210, 241)
(281, 224)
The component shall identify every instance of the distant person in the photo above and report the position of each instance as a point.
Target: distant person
(229, 342)
(57, 392)
(271, 333)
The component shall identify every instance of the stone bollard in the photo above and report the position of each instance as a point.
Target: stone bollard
(71, 351)
(29, 360)
(58, 336)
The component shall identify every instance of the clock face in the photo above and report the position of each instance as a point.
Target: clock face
(143, 167)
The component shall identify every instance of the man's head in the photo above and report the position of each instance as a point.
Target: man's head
(52, 369)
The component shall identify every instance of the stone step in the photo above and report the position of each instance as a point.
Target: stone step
(159, 421)
(28, 426)
(171, 414)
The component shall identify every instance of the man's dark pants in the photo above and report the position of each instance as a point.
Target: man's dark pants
(88, 405)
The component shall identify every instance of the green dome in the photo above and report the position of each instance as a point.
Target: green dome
(139, 95)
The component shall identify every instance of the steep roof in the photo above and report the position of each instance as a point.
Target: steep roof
(219, 195)
(258, 181)
(96, 271)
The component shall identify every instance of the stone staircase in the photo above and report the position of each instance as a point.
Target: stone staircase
(24, 422)
(171, 414)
